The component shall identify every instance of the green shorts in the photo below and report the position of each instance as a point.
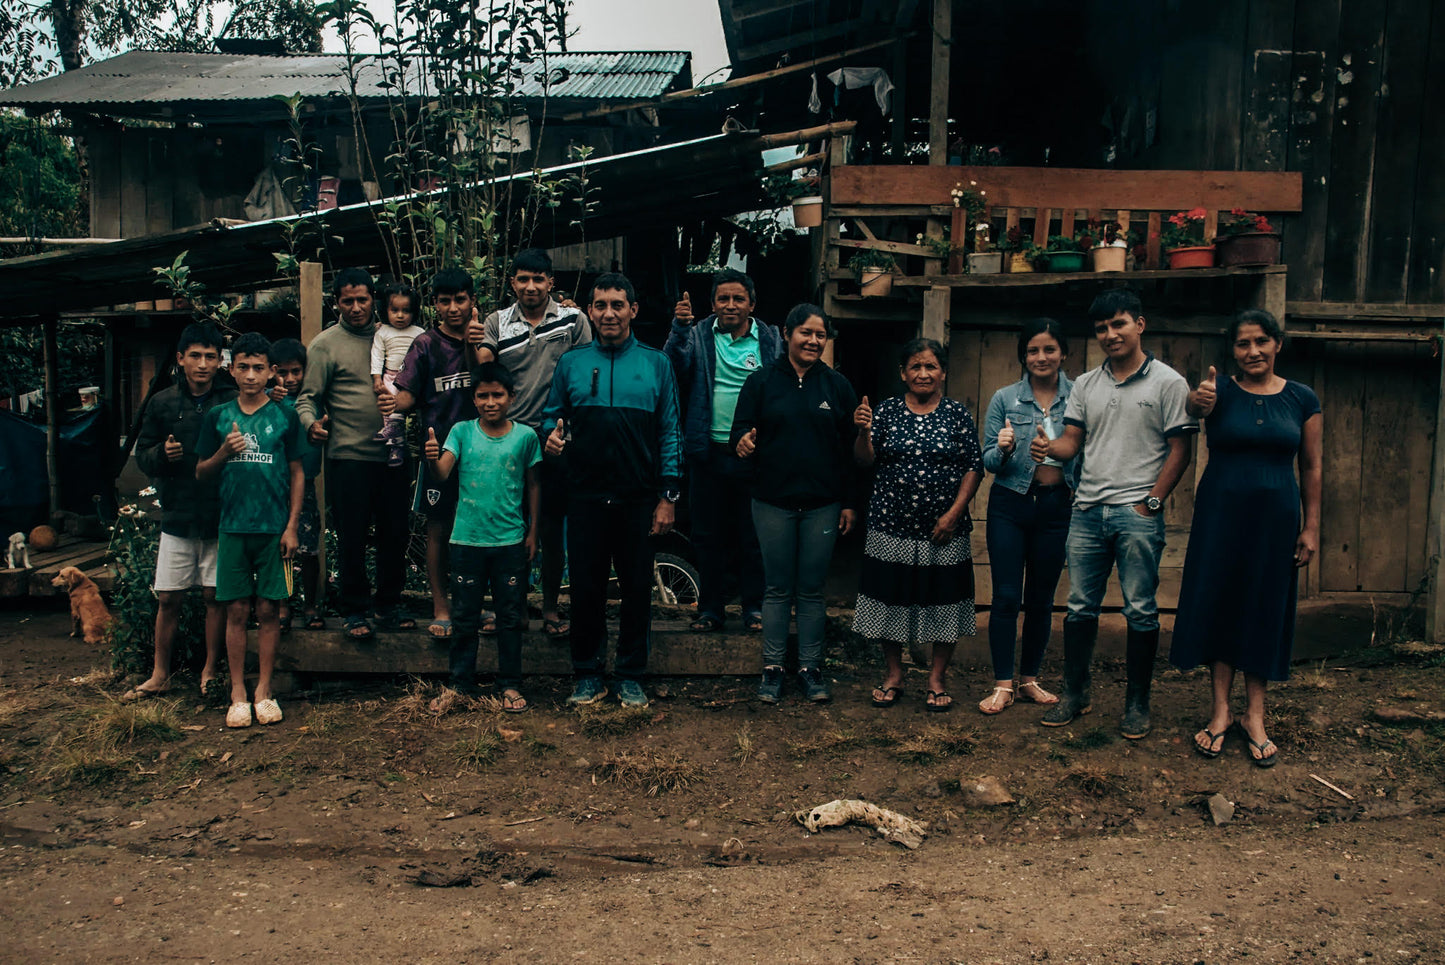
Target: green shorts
(250, 564)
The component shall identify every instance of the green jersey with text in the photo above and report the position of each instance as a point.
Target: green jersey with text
(255, 484)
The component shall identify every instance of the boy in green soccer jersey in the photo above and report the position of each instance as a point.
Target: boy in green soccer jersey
(491, 541)
(254, 445)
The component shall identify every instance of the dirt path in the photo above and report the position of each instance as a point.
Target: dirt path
(155, 834)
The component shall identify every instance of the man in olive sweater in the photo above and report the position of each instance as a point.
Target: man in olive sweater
(337, 407)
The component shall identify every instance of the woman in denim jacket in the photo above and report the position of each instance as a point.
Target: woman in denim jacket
(1028, 512)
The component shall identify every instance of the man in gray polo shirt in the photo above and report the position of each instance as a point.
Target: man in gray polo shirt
(1128, 416)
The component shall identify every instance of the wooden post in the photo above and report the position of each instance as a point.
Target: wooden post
(50, 327)
(1435, 599)
(938, 91)
(310, 296)
(935, 315)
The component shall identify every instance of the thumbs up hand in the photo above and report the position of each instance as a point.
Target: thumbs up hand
(1202, 399)
(682, 311)
(174, 450)
(863, 416)
(319, 430)
(234, 442)
(432, 450)
(748, 444)
(1006, 439)
(1039, 446)
(557, 439)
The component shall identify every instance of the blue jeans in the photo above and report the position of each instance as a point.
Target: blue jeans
(1024, 532)
(505, 570)
(1100, 537)
(797, 545)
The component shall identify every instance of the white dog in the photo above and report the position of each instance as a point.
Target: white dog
(17, 555)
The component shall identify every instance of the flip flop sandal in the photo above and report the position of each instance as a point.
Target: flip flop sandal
(1211, 751)
(1262, 760)
(932, 705)
(515, 705)
(889, 698)
(489, 624)
(357, 622)
(556, 629)
(440, 629)
(140, 693)
(707, 623)
(285, 623)
(314, 621)
(753, 623)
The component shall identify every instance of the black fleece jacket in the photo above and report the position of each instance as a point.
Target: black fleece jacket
(804, 456)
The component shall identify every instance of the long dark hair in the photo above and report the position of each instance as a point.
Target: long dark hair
(800, 314)
(1042, 326)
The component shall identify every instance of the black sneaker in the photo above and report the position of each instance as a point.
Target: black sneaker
(814, 687)
(770, 689)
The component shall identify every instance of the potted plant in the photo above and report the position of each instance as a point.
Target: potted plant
(1019, 250)
(1108, 244)
(874, 271)
(803, 193)
(982, 260)
(1063, 253)
(1183, 240)
(1246, 238)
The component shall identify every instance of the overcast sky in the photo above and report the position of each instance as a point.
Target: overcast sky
(693, 25)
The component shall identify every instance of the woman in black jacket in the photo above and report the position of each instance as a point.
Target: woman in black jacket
(794, 420)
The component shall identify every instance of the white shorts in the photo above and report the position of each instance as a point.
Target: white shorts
(184, 563)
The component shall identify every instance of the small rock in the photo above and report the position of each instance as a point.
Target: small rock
(984, 792)
(510, 735)
(1221, 809)
(933, 790)
(117, 901)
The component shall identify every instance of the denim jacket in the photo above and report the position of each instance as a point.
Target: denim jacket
(1016, 402)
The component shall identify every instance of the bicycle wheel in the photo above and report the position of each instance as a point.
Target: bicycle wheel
(674, 581)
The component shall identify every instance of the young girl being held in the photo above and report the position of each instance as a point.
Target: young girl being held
(401, 310)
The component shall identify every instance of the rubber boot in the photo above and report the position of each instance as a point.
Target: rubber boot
(1139, 653)
(1079, 639)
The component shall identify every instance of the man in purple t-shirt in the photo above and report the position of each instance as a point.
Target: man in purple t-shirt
(436, 377)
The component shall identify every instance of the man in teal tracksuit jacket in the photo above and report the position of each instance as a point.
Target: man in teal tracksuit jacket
(613, 407)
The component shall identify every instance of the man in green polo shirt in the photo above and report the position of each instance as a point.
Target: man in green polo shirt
(712, 358)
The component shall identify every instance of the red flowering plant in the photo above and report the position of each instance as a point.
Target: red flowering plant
(1185, 229)
(1242, 222)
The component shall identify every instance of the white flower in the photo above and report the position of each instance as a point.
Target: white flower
(148, 491)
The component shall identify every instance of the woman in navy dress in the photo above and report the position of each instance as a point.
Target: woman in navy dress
(1253, 525)
(916, 585)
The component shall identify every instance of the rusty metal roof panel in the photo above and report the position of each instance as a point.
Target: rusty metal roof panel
(155, 77)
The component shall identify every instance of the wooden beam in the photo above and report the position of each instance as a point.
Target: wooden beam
(900, 184)
(311, 305)
(895, 247)
(746, 11)
(730, 84)
(938, 86)
(798, 162)
(1044, 279)
(50, 328)
(1312, 309)
(935, 315)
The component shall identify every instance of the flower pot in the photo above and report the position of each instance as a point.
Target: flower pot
(1018, 262)
(876, 282)
(1109, 258)
(165, 304)
(1195, 256)
(985, 262)
(1066, 261)
(1248, 248)
(808, 212)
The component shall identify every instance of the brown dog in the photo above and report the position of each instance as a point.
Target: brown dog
(88, 615)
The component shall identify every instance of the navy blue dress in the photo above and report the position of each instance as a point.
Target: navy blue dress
(1237, 603)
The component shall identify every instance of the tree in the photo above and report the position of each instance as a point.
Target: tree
(40, 192)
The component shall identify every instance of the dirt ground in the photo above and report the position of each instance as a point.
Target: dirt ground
(363, 829)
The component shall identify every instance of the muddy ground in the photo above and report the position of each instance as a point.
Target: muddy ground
(363, 829)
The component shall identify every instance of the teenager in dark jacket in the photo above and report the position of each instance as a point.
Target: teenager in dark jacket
(712, 359)
(613, 408)
(794, 421)
(165, 451)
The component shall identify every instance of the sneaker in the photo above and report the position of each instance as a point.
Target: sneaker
(395, 456)
(588, 690)
(770, 688)
(814, 687)
(631, 694)
(239, 715)
(268, 711)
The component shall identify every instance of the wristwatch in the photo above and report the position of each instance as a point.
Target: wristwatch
(671, 495)
(1153, 504)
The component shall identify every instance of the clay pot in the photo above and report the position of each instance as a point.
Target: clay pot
(876, 282)
(1195, 256)
(1109, 258)
(808, 211)
(1249, 248)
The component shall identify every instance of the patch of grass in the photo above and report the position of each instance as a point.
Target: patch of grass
(613, 721)
(478, 751)
(98, 677)
(838, 739)
(1096, 782)
(1316, 678)
(744, 749)
(935, 743)
(654, 773)
(152, 719)
(89, 765)
(323, 721)
(16, 704)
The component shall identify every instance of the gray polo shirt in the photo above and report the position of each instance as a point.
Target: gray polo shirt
(1126, 425)
(531, 354)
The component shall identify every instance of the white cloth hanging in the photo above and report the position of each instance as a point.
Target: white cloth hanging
(854, 77)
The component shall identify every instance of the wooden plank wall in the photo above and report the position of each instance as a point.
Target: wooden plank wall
(1344, 91)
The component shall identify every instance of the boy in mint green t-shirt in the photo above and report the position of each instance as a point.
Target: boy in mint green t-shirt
(492, 541)
(254, 445)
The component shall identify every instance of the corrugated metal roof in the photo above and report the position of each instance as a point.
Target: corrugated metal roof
(153, 77)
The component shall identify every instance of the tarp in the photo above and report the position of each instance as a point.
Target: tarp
(24, 484)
